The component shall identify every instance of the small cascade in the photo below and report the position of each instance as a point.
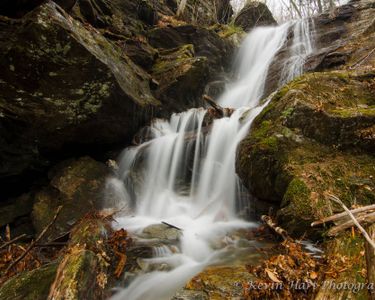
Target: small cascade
(301, 48)
(184, 172)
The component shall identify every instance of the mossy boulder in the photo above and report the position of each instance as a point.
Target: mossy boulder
(77, 185)
(61, 82)
(207, 43)
(309, 141)
(32, 285)
(182, 77)
(254, 14)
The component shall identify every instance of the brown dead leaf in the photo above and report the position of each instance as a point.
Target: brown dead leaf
(313, 275)
(272, 276)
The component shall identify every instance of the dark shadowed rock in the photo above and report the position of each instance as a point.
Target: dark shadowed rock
(207, 43)
(254, 14)
(63, 83)
(182, 77)
(77, 185)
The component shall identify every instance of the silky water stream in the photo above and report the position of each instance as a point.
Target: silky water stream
(184, 172)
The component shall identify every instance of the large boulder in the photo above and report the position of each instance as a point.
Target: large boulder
(77, 186)
(182, 76)
(315, 136)
(253, 14)
(64, 85)
(207, 43)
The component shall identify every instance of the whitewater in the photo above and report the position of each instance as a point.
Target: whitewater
(184, 172)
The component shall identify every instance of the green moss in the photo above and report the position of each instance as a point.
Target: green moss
(298, 196)
(228, 30)
(33, 285)
(353, 112)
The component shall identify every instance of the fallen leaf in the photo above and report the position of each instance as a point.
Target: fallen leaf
(272, 276)
(313, 275)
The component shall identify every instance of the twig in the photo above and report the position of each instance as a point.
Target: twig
(12, 241)
(172, 226)
(343, 214)
(282, 232)
(361, 60)
(33, 243)
(363, 231)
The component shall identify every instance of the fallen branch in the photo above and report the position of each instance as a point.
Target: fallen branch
(282, 232)
(364, 219)
(33, 243)
(356, 223)
(343, 215)
(214, 105)
(12, 241)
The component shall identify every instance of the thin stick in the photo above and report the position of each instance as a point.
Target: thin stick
(282, 232)
(33, 243)
(343, 214)
(172, 226)
(12, 241)
(363, 231)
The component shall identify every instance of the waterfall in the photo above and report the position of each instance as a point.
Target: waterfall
(184, 172)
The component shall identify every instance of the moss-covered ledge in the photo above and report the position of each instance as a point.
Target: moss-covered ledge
(300, 147)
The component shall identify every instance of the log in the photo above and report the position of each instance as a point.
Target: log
(370, 261)
(280, 231)
(355, 221)
(220, 110)
(343, 215)
(365, 219)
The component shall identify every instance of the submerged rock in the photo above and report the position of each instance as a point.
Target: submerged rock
(162, 232)
(310, 140)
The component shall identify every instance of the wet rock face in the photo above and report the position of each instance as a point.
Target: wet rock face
(336, 38)
(315, 136)
(77, 185)
(254, 14)
(46, 103)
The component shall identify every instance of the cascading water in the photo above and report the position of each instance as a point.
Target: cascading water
(186, 177)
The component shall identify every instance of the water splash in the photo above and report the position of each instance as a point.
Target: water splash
(184, 174)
